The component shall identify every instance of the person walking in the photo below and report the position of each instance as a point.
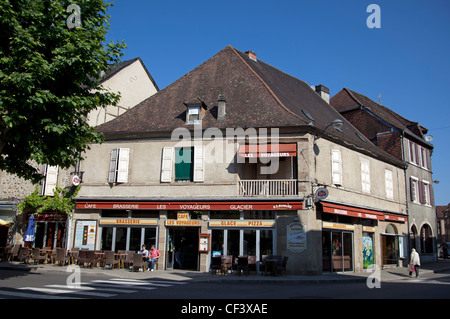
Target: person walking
(414, 263)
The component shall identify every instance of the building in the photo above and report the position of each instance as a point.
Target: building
(239, 158)
(406, 141)
(443, 220)
(135, 84)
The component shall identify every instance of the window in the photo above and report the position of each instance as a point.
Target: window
(193, 115)
(336, 167)
(118, 165)
(50, 181)
(189, 164)
(389, 184)
(365, 175)
(425, 189)
(414, 189)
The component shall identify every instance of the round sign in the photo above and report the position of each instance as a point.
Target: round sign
(76, 180)
(322, 193)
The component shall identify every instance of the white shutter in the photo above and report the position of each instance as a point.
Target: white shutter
(113, 166)
(51, 179)
(389, 184)
(166, 164)
(365, 176)
(122, 167)
(199, 164)
(336, 167)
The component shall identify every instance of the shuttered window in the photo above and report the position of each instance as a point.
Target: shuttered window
(365, 176)
(51, 179)
(119, 165)
(336, 167)
(389, 184)
(189, 164)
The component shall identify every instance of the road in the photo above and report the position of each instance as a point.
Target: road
(175, 295)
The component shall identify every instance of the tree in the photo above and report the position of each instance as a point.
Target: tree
(49, 81)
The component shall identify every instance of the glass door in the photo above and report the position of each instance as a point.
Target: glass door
(337, 251)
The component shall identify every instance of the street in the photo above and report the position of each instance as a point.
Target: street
(59, 285)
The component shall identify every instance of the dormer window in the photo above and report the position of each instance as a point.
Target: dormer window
(195, 111)
(193, 115)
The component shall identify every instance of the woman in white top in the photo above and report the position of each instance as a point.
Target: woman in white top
(414, 263)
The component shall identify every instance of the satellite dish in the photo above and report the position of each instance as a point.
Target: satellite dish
(429, 138)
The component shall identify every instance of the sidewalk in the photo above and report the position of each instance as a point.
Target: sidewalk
(389, 274)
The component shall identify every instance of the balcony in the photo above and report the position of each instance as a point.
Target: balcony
(268, 187)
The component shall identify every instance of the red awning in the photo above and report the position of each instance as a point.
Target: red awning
(361, 212)
(268, 150)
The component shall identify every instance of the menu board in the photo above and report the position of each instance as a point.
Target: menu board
(85, 234)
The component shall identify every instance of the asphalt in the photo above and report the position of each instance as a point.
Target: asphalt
(388, 274)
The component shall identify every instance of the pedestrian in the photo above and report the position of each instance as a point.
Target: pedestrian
(444, 248)
(154, 255)
(145, 253)
(414, 263)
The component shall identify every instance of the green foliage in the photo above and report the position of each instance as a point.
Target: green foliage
(49, 81)
(61, 201)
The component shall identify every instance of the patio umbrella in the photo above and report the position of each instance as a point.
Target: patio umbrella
(29, 234)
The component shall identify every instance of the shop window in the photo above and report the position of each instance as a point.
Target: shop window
(259, 214)
(233, 242)
(249, 242)
(107, 236)
(224, 214)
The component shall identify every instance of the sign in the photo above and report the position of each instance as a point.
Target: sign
(338, 226)
(174, 222)
(76, 180)
(85, 234)
(296, 237)
(128, 221)
(322, 193)
(241, 223)
(204, 243)
(278, 205)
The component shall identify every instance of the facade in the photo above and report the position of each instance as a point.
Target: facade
(135, 84)
(406, 141)
(239, 158)
(443, 215)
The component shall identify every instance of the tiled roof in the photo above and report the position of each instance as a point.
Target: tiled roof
(257, 95)
(347, 100)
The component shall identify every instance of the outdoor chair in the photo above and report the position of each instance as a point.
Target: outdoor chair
(91, 259)
(129, 259)
(242, 265)
(24, 255)
(216, 264)
(14, 253)
(227, 263)
(81, 259)
(110, 259)
(61, 257)
(138, 261)
(251, 263)
(282, 266)
(36, 256)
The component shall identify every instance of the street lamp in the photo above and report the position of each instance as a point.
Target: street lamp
(337, 125)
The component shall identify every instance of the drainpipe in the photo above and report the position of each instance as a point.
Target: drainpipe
(406, 188)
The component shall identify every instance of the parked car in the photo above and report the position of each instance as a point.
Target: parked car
(441, 250)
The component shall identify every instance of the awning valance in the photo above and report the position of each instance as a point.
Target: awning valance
(361, 212)
(268, 150)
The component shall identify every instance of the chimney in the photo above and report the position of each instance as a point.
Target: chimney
(251, 55)
(221, 107)
(323, 92)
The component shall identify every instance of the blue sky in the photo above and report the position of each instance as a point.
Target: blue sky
(325, 42)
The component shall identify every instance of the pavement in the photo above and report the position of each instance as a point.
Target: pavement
(388, 274)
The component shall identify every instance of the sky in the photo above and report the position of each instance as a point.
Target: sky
(404, 60)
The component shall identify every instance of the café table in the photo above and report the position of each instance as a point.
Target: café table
(48, 252)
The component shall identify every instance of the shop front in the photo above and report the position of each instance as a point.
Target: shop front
(50, 230)
(176, 229)
(357, 239)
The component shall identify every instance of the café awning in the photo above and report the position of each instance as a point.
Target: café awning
(268, 150)
(361, 212)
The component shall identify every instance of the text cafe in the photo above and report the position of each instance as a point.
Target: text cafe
(187, 234)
